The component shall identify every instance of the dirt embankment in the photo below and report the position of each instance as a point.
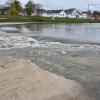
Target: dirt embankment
(22, 80)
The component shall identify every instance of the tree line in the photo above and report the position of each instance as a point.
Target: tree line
(15, 8)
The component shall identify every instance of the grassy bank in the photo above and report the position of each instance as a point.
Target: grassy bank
(70, 20)
(45, 19)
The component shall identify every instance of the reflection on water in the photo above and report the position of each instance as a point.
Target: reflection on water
(64, 33)
(72, 32)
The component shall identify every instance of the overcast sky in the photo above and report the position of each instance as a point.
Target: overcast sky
(64, 4)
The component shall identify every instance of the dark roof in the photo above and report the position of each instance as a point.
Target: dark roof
(69, 11)
(52, 11)
(84, 12)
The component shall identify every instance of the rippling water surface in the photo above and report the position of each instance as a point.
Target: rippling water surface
(71, 50)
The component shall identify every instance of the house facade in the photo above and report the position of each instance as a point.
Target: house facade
(54, 13)
(69, 13)
(72, 13)
(83, 15)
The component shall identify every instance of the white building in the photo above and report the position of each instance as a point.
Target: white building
(69, 13)
(72, 13)
(83, 15)
(54, 13)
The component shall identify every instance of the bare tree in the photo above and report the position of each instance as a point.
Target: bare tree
(38, 9)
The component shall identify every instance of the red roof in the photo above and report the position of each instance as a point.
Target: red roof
(91, 15)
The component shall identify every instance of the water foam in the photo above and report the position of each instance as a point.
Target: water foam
(18, 41)
(7, 42)
(8, 29)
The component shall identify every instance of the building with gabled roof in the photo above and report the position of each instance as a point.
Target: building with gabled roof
(69, 13)
(72, 13)
(54, 13)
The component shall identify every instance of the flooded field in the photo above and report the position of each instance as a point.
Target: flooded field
(70, 50)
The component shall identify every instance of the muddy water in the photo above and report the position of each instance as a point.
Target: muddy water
(70, 50)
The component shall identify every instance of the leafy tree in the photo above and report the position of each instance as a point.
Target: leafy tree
(15, 7)
(29, 7)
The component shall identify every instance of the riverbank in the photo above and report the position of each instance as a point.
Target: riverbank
(45, 19)
(22, 80)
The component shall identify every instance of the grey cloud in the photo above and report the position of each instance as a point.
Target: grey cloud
(64, 4)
